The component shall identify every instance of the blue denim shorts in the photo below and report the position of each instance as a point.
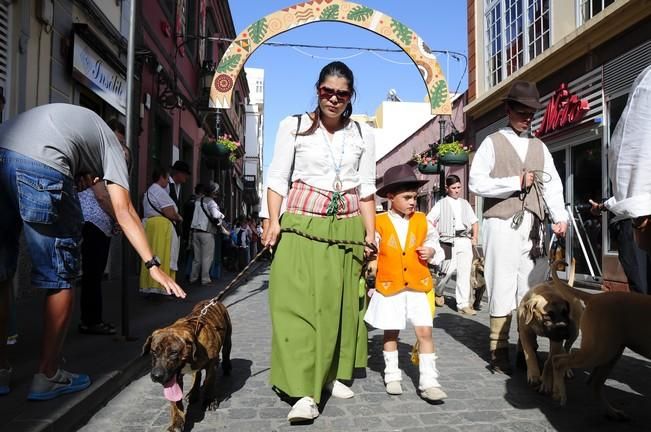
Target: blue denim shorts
(44, 202)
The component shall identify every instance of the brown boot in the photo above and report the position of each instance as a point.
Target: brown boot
(499, 344)
(500, 362)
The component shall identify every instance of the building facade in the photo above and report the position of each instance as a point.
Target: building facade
(583, 55)
(74, 51)
(253, 160)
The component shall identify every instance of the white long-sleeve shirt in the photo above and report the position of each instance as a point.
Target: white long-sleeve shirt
(200, 220)
(314, 154)
(629, 155)
(481, 183)
(401, 225)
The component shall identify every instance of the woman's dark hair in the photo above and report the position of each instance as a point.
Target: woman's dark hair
(157, 173)
(452, 179)
(334, 69)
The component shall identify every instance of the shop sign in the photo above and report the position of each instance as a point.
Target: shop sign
(563, 109)
(98, 76)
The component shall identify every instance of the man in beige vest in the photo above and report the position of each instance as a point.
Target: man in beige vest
(518, 180)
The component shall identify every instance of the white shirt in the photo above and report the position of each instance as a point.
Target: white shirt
(401, 225)
(630, 153)
(200, 220)
(481, 183)
(313, 155)
(264, 206)
(159, 198)
(177, 187)
(435, 213)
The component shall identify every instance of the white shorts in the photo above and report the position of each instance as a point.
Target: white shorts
(392, 312)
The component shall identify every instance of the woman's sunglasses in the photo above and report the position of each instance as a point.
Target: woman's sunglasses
(328, 93)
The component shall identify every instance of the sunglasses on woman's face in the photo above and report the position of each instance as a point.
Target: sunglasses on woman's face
(328, 93)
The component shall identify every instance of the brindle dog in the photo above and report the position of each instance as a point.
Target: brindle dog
(190, 345)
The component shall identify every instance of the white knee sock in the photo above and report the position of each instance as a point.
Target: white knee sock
(391, 370)
(428, 372)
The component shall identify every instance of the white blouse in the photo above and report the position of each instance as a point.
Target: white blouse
(159, 198)
(481, 183)
(629, 155)
(316, 158)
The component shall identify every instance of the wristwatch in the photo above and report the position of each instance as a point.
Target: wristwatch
(154, 261)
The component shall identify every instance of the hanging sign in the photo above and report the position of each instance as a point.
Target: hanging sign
(89, 68)
(564, 108)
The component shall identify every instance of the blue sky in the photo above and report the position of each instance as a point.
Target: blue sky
(290, 75)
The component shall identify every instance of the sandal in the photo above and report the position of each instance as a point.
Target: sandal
(101, 328)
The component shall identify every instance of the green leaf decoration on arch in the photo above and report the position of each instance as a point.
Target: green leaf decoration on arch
(401, 31)
(330, 13)
(258, 29)
(360, 13)
(438, 94)
(228, 63)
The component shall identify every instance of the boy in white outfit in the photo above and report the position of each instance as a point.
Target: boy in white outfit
(407, 242)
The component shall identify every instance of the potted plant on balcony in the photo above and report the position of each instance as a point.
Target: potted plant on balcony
(427, 164)
(453, 153)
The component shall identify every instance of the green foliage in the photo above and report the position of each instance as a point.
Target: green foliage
(228, 63)
(401, 31)
(330, 13)
(360, 13)
(258, 30)
(438, 94)
(451, 148)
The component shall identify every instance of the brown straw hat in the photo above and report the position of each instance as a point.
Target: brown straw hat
(399, 175)
(525, 93)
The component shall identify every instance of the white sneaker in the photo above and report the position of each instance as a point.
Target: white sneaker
(339, 390)
(433, 394)
(394, 388)
(303, 410)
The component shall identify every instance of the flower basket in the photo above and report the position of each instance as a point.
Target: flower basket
(429, 168)
(217, 162)
(454, 159)
(453, 153)
(221, 147)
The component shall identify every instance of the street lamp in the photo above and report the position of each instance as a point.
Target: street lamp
(206, 76)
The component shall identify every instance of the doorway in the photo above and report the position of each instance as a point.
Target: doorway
(579, 165)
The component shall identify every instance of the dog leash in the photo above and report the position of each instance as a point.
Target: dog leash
(236, 279)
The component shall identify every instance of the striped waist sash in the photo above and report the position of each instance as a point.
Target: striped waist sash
(311, 201)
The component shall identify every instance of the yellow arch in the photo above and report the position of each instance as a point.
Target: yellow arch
(221, 91)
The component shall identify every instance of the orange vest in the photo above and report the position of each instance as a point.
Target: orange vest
(397, 269)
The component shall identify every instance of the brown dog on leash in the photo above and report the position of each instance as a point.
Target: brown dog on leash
(611, 322)
(547, 311)
(190, 345)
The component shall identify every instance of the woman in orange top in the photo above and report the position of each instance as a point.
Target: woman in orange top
(406, 244)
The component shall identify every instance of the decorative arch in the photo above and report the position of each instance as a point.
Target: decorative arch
(221, 90)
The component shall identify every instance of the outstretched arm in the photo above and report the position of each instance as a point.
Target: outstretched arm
(129, 221)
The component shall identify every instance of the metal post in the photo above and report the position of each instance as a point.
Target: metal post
(126, 250)
(442, 173)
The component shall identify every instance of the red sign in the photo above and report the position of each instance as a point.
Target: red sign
(564, 108)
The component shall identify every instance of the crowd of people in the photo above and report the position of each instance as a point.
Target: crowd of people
(322, 181)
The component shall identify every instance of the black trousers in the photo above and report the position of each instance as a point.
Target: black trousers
(635, 261)
(94, 255)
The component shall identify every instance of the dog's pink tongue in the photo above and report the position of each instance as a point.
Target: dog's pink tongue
(172, 390)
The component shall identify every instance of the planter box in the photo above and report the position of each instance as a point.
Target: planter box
(429, 168)
(454, 159)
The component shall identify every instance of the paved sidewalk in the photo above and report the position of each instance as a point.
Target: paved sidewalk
(111, 361)
(478, 400)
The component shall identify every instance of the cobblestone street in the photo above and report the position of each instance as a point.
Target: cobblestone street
(478, 400)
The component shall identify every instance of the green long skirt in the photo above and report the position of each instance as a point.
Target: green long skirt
(317, 313)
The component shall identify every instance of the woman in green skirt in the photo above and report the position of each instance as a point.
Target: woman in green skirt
(317, 307)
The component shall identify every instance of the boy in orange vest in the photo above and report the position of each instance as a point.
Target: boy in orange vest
(407, 242)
